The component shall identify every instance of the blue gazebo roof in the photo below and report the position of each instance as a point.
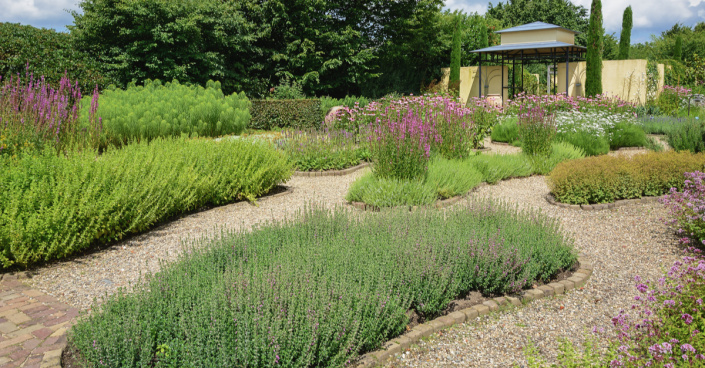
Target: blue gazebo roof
(535, 26)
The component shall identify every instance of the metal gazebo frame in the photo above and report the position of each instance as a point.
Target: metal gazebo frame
(545, 52)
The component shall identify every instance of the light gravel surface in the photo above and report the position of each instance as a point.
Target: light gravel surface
(620, 243)
(77, 282)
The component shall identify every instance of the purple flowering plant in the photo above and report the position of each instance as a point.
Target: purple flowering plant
(537, 127)
(34, 114)
(687, 209)
(664, 327)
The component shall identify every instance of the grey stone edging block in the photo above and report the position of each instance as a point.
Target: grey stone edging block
(600, 206)
(331, 172)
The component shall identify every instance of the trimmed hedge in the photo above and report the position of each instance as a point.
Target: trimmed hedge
(605, 179)
(320, 288)
(50, 54)
(53, 206)
(301, 114)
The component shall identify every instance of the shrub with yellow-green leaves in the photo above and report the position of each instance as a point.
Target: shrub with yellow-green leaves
(605, 179)
(52, 206)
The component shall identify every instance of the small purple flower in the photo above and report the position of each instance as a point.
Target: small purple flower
(687, 318)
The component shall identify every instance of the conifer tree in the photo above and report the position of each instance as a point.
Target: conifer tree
(593, 73)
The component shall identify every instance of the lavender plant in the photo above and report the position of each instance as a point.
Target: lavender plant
(318, 289)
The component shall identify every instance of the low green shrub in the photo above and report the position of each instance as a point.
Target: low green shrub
(327, 149)
(688, 136)
(158, 110)
(53, 206)
(300, 114)
(605, 179)
(320, 289)
(391, 192)
(592, 144)
(506, 131)
(448, 178)
(626, 135)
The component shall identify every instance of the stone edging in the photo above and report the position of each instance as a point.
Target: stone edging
(287, 190)
(349, 170)
(439, 203)
(601, 206)
(500, 143)
(401, 343)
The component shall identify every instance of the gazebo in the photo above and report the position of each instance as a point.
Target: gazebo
(533, 43)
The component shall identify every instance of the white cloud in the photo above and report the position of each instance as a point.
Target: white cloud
(42, 13)
(649, 15)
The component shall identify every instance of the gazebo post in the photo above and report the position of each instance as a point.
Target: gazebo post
(501, 81)
(522, 70)
(567, 63)
(480, 83)
(555, 71)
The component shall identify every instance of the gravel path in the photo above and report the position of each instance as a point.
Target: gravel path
(621, 243)
(77, 282)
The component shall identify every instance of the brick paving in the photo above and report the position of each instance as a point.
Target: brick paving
(33, 326)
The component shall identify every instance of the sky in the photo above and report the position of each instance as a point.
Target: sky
(650, 16)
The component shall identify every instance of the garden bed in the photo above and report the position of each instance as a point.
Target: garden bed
(335, 283)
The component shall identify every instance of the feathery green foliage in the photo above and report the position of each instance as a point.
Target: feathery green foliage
(625, 38)
(593, 73)
(319, 289)
(158, 110)
(454, 78)
(53, 206)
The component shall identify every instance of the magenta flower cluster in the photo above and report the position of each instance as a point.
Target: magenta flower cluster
(687, 209)
(537, 127)
(33, 111)
(664, 327)
(404, 132)
(561, 102)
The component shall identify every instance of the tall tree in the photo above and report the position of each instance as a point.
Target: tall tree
(625, 38)
(678, 48)
(593, 73)
(454, 80)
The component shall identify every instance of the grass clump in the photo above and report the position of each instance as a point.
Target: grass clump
(592, 144)
(52, 206)
(688, 136)
(327, 149)
(626, 135)
(506, 131)
(605, 179)
(319, 289)
(158, 110)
